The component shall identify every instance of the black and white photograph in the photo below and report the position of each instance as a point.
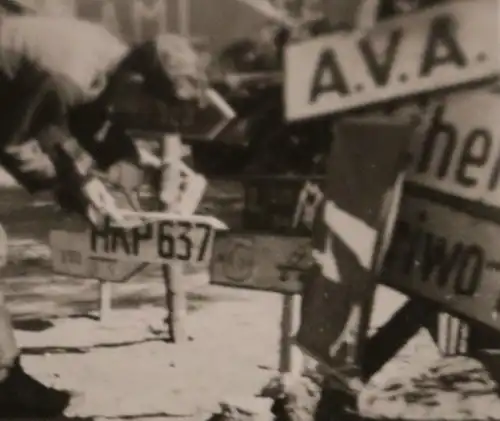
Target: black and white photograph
(249, 210)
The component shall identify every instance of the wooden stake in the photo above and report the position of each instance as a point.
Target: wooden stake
(391, 337)
(105, 297)
(176, 302)
(290, 355)
(173, 274)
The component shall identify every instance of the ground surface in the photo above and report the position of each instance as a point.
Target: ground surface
(123, 369)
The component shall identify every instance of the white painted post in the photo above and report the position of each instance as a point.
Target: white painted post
(290, 359)
(105, 297)
(176, 302)
(173, 274)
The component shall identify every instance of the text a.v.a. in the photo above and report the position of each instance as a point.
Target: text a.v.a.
(441, 49)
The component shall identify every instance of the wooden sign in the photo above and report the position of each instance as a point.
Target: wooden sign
(260, 262)
(359, 189)
(95, 253)
(441, 47)
(460, 153)
(446, 256)
(69, 257)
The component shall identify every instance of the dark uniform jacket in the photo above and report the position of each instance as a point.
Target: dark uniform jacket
(50, 67)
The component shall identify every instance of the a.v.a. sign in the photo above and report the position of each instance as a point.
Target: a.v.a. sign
(445, 46)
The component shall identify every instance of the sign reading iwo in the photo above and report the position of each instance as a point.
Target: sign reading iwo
(441, 47)
(446, 256)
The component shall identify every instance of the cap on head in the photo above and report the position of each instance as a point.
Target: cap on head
(182, 64)
(168, 68)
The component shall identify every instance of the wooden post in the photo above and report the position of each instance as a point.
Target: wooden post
(173, 274)
(105, 295)
(290, 355)
(390, 338)
(176, 302)
(452, 335)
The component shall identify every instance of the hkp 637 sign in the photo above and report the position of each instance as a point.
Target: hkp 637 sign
(441, 47)
(99, 253)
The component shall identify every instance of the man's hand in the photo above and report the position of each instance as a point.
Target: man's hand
(94, 201)
(102, 205)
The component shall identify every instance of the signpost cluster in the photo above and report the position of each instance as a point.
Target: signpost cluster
(172, 235)
(410, 205)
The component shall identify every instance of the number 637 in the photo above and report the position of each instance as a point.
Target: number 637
(175, 241)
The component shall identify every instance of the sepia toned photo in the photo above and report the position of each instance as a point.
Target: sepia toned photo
(249, 210)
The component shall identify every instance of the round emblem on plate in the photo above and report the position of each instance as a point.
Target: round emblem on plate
(239, 262)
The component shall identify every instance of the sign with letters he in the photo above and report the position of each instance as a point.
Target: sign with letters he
(260, 262)
(447, 256)
(360, 188)
(97, 253)
(460, 153)
(445, 46)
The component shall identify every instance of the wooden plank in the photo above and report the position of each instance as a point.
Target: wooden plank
(391, 337)
(258, 262)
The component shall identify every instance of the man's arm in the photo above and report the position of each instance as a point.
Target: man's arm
(37, 148)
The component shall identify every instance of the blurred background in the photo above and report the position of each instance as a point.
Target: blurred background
(243, 42)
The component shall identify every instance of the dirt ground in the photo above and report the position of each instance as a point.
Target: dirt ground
(123, 369)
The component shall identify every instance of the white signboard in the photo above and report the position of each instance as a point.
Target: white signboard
(102, 253)
(460, 153)
(444, 46)
(447, 256)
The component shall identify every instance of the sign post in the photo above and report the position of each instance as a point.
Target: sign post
(272, 263)
(268, 252)
(291, 359)
(105, 300)
(173, 273)
(170, 237)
